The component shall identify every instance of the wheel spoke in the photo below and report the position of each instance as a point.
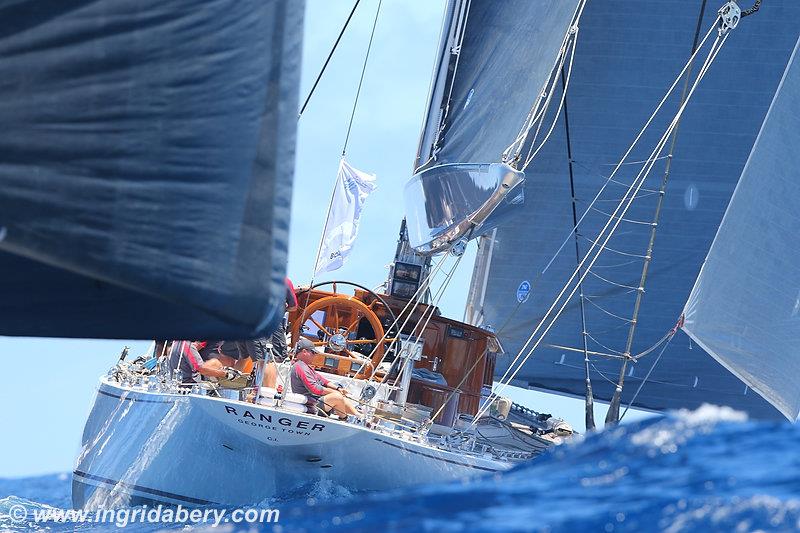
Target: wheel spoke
(370, 341)
(349, 329)
(363, 341)
(320, 326)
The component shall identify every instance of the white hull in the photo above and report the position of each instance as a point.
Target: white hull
(197, 450)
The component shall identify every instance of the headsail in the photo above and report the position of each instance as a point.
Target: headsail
(745, 306)
(495, 59)
(624, 62)
(146, 165)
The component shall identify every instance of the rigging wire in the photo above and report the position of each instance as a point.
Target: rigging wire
(430, 307)
(633, 189)
(531, 152)
(613, 250)
(588, 396)
(327, 60)
(601, 374)
(628, 220)
(361, 80)
(417, 331)
(548, 95)
(614, 283)
(463, 17)
(536, 114)
(415, 300)
(349, 127)
(640, 179)
(647, 376)
(612, 416)
(633, 144)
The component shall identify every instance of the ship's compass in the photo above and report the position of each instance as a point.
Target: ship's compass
(349, 329)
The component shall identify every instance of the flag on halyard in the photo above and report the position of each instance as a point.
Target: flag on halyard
(351, 191)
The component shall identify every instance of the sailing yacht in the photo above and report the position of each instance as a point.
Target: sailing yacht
(596, 276)
(627, 169)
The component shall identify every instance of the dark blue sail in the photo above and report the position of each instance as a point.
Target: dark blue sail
(146, 164)
(627, 56)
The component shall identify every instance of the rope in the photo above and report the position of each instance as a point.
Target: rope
(646, 377)
(325, 65)
(614, 283)
(609, 313)
(361, 80)
(634, 188)
(613, 410)
(457, 51)
(536, 114)
(750, 11)
(649, 350)
(531, 152)
(630, 148)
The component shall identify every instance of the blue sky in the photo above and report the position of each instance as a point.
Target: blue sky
(50, 383)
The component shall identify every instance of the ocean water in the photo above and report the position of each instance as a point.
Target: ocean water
(707, 470)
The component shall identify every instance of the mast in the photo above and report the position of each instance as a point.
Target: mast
(473, 312)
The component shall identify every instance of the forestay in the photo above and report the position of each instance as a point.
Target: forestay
(745, 306)
(146, 163)
(624, 62)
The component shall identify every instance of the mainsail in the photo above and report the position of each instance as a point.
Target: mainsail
(625, 60)
(146, 162)
(495, 59)
(745, 306)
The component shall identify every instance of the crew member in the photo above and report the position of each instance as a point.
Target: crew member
(186, 359)
(279, 347)
(305, 380)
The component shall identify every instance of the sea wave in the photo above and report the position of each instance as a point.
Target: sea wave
(706, 470)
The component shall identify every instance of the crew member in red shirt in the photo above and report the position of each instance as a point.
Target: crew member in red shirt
(305, 380)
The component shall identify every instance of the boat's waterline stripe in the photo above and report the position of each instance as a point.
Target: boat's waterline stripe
(155, 492)
(133, 399)
(438, 458)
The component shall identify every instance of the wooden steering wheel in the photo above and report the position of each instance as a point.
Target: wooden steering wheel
(341, 317)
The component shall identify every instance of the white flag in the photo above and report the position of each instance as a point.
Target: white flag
(349, 194)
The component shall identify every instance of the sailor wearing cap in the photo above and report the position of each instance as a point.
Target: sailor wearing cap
(325, 395)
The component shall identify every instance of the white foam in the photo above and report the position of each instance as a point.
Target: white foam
(710, 413)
